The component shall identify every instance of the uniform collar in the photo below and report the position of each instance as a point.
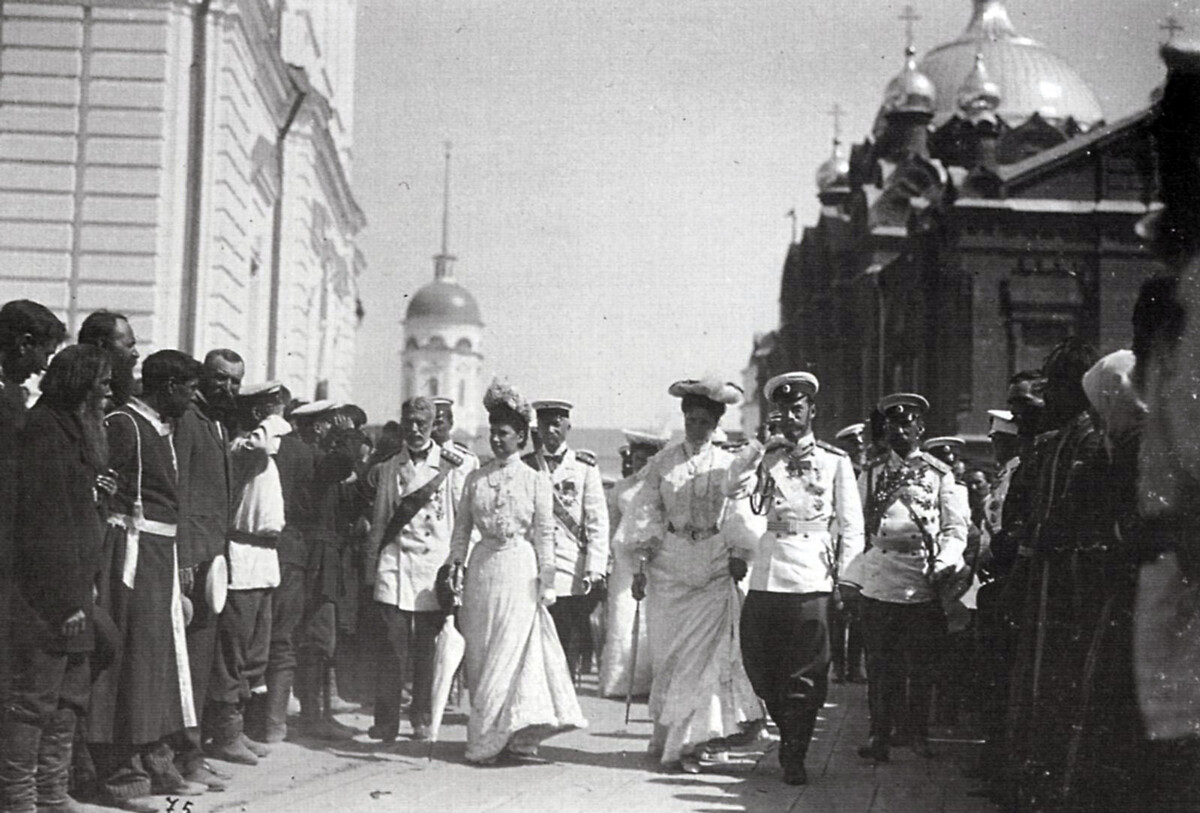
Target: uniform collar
(690, 448)
(430, 452)
(559, 455)
(161, 425)
(805, 446)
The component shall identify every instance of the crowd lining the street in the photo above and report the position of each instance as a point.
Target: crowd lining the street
(181, 554)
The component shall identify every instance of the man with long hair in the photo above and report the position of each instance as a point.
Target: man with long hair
(111, 331)
(29, 335)
(58, 559)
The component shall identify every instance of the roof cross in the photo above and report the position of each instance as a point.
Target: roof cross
(909, 16)
(837, 112)
(1172, 26)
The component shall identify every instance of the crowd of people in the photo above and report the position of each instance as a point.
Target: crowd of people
(182, 555)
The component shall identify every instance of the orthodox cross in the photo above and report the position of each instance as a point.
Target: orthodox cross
(1171, 26)
(909, 16)
(837, 113)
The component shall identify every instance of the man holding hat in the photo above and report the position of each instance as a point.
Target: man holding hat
(239, 676)
(917, 528)
(336, 446)
(580, 527)
(205, 507)
(417, 492)
(807, 492)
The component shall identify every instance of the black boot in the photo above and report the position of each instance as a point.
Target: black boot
(19, 743)
(54, 765)
(876, 748)
(227, 743)
(279, 691)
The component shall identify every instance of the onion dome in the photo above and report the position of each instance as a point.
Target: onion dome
(979, 95)
(444, 300)
(835, 171)
(1029, 77)
(911, 91)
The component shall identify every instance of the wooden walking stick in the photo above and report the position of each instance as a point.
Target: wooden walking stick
(637, 629)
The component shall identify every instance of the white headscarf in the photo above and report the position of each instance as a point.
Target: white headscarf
(1109, 388)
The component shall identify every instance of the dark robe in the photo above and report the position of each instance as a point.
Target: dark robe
(12, 420)
(205, 487)
(138, 699)
(58, 531)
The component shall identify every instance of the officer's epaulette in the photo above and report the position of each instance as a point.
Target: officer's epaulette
(585, 457)
(463, 449)
(453, 458)
(936, 464)
(829, 447)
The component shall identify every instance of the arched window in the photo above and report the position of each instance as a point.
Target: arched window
(412, 344)
(462, 392)
(432, 388)
(436, 343)
(464, 345)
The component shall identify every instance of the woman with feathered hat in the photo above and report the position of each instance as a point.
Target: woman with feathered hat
(521, 691)
(693, 551)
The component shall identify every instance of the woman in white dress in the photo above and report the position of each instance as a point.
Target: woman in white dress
(520, 687)
(696, 549)
(616, 659)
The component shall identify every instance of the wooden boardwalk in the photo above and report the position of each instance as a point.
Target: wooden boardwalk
(604, 768)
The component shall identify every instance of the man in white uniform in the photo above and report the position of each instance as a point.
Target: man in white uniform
(807, 491)
(416, 493)
(580, 527)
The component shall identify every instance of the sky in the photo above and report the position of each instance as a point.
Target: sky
(622, 169)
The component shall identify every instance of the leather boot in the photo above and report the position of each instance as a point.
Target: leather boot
(279, 690)
(336, 705)
(19, 744)
(54, 765)
(877, 748)
(227, 741)
(308, 684)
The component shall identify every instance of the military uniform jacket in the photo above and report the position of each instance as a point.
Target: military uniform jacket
(897, 495)
(408, 562)
(579, 489)
(813, 501)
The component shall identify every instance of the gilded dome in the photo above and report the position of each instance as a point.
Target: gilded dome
(1029, 77)
(978, 95)
(910, 91)
(835, 171)
(446, 301)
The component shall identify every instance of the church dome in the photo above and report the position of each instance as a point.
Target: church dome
(910, 91)
(1029, 77)
(835, 171)
(445, 301)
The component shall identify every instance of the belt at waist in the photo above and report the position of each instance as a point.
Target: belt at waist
(694, 534)
(256, 540)
(792, 527)
(150, 526)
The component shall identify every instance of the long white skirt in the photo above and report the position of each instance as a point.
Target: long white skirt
(700, 689)
(616, 658)
(521, 690)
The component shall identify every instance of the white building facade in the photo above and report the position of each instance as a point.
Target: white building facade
(185, 162)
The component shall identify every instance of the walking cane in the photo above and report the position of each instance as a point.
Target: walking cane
(637, 629)
(1085, 696)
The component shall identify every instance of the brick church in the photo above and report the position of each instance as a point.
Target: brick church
(990, 213)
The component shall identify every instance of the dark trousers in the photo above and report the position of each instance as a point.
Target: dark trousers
(903, 644)
(572, 619)
(243, 643)
(411, 636)
(785, 649)
(846, 638)
(7, 588)
(287, 608)
(43, 682)
(128, 771)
